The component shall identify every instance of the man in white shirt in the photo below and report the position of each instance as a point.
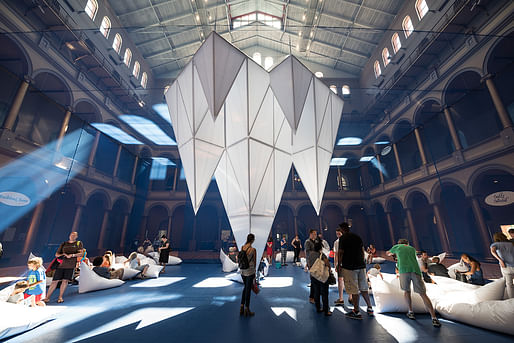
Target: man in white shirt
(340, 284)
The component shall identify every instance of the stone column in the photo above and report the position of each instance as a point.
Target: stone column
(295, 218)
(78, 216)
(168, 233)
(34, 223)
(380, 169)
(412, 229)
(16, 105)
(142, 231)
(498, 103)
(482, 226)
(397, 158)
(103, 230)
(117, 161)
(133, 178)
(441, 229)
(124, 230)
(64, 128)
(451, 128)
(420, 146)
(391, 229)
(93, 149)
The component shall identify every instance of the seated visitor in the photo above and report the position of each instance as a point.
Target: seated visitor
(371, 250)
(375, 271)
(100, 268)
(503, 250)
(232, 254)
(437, 269)
(423, 265)
(135, 263)
(17, 295)
(110, 256)
(36, 279)
(475, 275)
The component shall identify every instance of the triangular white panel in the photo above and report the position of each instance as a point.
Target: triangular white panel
(302, 78)
(261, 227)
(281, 81)
(184, 132)
(262, 127)
(283, 132)
(238, 155)
(305, 163)
(213, 131)
(264, 203)
(325, 132)
(171, 100)
(305, 136)
(324, 158)
(282, 171)
(188, 163)
(321, 94)
(260, 156)
(258, 83)
(207, 157)
(337, 111)
(200, 102)
(229, 188)
(236, 109)
(185, 85)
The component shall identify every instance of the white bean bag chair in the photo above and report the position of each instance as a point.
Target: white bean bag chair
(289, 257)
(173, 261)
(22, 318)
(90, 281)
(457, 267)
(441, 256)
(120, 259)
(227, 265)
(154, 255)
(153, 270)
(236, 277)
(266, 268)
(147, 260)
(6, 292)
(378, 260)
(389, 297)
(128, 273)
(303, 262)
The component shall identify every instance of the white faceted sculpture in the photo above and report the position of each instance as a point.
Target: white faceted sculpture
(246, 126)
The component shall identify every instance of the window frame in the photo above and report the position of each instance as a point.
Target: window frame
(407, 30)
(144, 80)
(377, 69)
(421, 8)
(397, 44)
(107, 29)
(386, 59)
(128, 60)
(91, 13)
(345, 91)
(117, 47)
(137, 67)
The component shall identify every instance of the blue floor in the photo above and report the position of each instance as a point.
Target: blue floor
(171, 309)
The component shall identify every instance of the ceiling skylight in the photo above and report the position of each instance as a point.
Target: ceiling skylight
(163, 161)
(349, 141)
(162, 110)
(366, 158)
(148, 129)
(338, 161)
(115, 133)
(252, 17)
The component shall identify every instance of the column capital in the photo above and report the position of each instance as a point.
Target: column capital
(487, 77)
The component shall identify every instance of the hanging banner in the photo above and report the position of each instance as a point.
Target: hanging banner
(503, 198)
(14, 199)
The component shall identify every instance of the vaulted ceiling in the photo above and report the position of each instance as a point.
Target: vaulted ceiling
(335, 37)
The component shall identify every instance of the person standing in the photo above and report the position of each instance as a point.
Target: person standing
(503, 250)
(410, 272)
(297, 247)
(248, 275)
(339, 271)
(68, 251)
(164, 252)
(353, 266)
(321, 288)
(324, 244)
(283, 250)
(311, 255)
(269, 249)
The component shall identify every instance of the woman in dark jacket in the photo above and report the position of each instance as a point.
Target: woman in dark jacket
(248, 275)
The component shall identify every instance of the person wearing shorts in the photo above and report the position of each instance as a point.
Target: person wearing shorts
(339, 271)
(410, 272)
(351, 261)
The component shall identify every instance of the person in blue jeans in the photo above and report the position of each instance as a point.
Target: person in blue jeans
(283, 250)
(248, 275)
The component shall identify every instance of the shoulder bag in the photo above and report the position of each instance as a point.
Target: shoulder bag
(319, 270)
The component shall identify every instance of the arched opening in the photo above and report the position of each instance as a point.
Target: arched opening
(424, 223)
(157, 223)
(487, 189)
(359, 223)
(307, 219)
(42, 112)
(407, 146)
(396, 42)
(58, 215)
(117, 220)
(385, 56)
(92, 220)
(407, 26)
(284, 224)
(332, 216)
(399, 220)
(434, 131)
(472, 109)
(387, 160)
(370, 168)
(501, 66)
(182, 232)
(380, 234)
(376, 69)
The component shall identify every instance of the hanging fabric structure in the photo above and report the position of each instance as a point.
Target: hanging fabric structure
(234, 120)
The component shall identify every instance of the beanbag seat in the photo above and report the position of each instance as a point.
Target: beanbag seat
(22, 318)
(120, 259)
(128, 273)
(378, 260)
(227, 265)
(236, 277)
(153, 270)
(457, 267)
(154, 255)
(147, 260)
(289, 257)
(389, 297)
(173, 261)
(90, 281)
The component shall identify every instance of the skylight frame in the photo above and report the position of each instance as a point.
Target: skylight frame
(116, 133)
(148, 129)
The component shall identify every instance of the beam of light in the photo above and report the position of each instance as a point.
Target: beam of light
(398, 328)
(144, 317)
(276, 282)
(160, 282)
(20, 189)
(379, 166)
(220, 301)
(213, 282)
(291, 312)
(148, 129)
(163, 111)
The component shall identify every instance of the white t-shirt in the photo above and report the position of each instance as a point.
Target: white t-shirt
(373, 272)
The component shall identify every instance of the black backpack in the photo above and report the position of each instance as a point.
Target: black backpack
(242, 260)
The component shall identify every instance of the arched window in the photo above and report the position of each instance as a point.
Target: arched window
(333, 88)
(116, 43)
(91, 8)
(318, 74)
(421, 8)
(257, 58)
(376, 67)
(268, 63)
(407, 26)
(128, 57)
(385, 56)
(136, 69)
(346, 90)
(395, 41)
(105, 27)
(144, 79)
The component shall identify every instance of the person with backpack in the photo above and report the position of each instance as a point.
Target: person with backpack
(68, 252)
(247, 263)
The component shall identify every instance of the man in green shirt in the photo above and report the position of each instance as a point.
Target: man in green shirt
(409, 272)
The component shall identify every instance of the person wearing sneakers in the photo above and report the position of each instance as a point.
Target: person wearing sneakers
(410, 272)
(340, 285)
(353, 266)
(311, 256)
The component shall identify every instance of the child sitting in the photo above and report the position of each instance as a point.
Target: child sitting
(101, 267)
(375, 271)
(17, 295)
(36, 280)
